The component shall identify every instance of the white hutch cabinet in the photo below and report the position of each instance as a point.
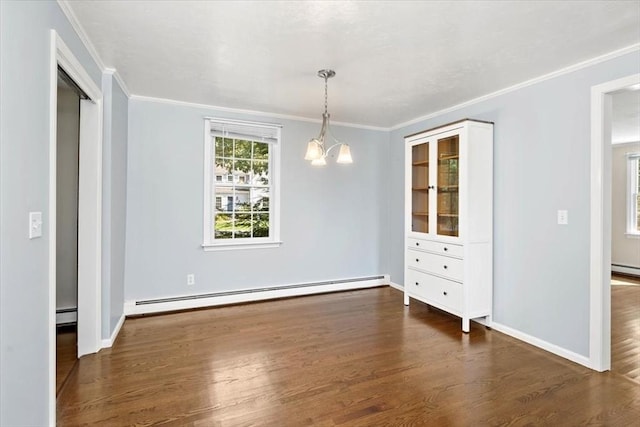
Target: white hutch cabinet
(449, 219)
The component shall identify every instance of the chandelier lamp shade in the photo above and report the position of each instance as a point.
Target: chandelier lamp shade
(317, 150)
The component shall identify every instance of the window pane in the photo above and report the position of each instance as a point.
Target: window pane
(243, 203)
(242, 149)
(260, 171)
(260, 150)
(223, 226)
(261, 225)
(219, 147)
(241, 166)
(228, 148)
(260, 200)
(243, 226)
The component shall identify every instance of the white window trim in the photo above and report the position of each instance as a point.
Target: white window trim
(273, 241)
(633, 159)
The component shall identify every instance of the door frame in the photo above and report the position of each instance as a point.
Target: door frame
(89, 209)
(600, 235)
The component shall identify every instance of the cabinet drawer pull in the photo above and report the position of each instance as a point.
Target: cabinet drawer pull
(445, 293)
(445, 267)
(417, 260)
(417, 284)
(417, 243)
(446, 249)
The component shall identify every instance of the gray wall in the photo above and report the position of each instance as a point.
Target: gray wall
(24, 186)
(625, 250)
(114, 201)
(541, 164)
(331, 218)
(67, 199)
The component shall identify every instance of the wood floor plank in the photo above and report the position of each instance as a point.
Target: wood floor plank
(345, 359)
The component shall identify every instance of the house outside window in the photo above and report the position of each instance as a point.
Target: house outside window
(245, 208)
(633, 194)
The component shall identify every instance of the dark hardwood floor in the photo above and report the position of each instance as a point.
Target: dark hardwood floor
(625, 326)
(66, 351)
(354, 358)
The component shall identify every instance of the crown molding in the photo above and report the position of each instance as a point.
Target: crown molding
(251, 112)
(82, 35)
(73, 20)
(553, 74)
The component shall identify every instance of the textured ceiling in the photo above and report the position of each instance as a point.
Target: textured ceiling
(395, 60)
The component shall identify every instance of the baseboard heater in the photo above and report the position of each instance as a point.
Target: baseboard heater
(66, 316)
(251, 294)
(626, 269)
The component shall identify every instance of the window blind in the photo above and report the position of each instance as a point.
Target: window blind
(253, 131)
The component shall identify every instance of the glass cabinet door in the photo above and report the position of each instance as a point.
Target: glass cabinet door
(420, 188)
(448, 179)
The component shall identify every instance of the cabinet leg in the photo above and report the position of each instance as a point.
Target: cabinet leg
(487, 322)
(465, 325)
(406, 299)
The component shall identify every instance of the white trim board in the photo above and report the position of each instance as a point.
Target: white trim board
(600, 226)
(396, 286)
(89, 209)
(132, 308)
(542, 344)
(108, 342)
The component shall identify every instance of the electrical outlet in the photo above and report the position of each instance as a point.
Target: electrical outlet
(191, 279)
(563, 217)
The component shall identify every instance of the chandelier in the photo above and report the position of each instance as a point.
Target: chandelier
(317, 151)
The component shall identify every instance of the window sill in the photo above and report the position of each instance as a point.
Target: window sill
(213, 247)
(632, 235)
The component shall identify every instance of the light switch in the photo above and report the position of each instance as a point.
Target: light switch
(563, 217)
(35, 225)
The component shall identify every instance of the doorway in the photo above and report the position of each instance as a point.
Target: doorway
(625, 233)
(68, 144)
(600, 223)
(89, 208)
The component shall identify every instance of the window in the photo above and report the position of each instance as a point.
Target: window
(633, 194)
(241, 211)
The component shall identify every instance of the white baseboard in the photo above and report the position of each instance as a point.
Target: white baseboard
(544, 345)
(249, 295)
(109, 341)
(396, 285)
(634, 271)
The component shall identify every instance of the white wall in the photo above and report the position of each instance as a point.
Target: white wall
(25, 54)
(541, 164)
(331, 223)
(67, 199)
(625, 250)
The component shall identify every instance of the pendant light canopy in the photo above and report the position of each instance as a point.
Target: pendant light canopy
(317, 151)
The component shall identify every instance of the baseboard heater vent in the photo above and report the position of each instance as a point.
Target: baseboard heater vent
(253, 294)
(255, 290)
(625, 269)
(66, 316)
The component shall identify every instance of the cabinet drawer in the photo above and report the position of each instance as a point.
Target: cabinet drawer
(448, 267)
(432, 289)
(436, 247)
